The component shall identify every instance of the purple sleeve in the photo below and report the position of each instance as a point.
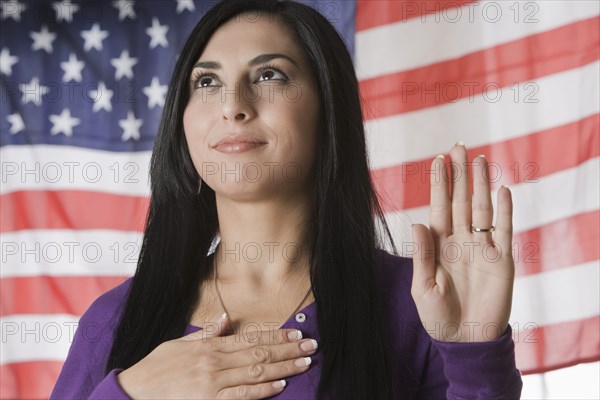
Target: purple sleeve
(482, 370)
(109, 388)
(82, 375)
(443, 370)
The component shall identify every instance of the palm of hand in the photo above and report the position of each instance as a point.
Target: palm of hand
(463, 280)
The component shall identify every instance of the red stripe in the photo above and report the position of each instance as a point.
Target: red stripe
(512, 161)
(29, 380)
(550, 347)
(502, 66)
(560, 244)
(53, 295)
(373, 13)
(71, 209)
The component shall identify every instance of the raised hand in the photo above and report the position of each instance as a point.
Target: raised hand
(463, 279)
(209, 365)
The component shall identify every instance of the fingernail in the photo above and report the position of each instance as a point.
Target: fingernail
(223, 317)
(309, 345)
(303, 362)
(279, 384)
(294, 335)
(439, 156)
(460, 143)
(481, 155)
(504, 186)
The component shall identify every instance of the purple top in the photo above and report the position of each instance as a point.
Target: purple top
(422, 366)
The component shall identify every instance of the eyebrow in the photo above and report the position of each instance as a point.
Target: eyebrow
(261, 59)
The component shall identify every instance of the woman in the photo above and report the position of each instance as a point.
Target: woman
(261, 216)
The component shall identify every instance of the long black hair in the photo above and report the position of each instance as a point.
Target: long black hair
(344, 238)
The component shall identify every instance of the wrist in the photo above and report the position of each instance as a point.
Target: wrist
(466, 332)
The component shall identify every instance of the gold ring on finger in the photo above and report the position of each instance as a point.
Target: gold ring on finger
(490, 229)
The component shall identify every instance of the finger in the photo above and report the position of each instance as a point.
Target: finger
(258, 373)
(247, 340)
(483, 211)
(461, 190)
(423, 259)
(259, 338)
(260, 391)
(264, 354)
(440, 216)
(504, 226)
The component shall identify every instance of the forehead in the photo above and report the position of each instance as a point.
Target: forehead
(247, 35)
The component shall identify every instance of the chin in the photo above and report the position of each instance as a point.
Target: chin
(242, 190)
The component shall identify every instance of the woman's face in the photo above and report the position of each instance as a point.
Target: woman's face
(252, 79)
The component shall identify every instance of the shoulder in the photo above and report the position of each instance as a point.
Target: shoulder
(107, 306)
(84, 367)
(393, 270)
(409, 343)
(394, 279)
(98, 323)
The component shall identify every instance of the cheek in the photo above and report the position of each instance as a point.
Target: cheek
(309, 126)
(188, 131)
(194, 135)
(303, 141)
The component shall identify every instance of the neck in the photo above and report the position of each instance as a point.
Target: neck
(262, 243)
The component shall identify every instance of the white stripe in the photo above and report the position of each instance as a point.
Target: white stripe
(576, 382)
(69, 252)
(562, 295)
(458, 31)
(49, 167)
(561, 98)
(553, 198)
(36, 337)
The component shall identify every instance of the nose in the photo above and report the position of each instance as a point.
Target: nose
(237, 104)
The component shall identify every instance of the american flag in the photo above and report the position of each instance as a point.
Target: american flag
(83, 85)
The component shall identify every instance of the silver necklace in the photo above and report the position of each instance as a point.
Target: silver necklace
(221, 300)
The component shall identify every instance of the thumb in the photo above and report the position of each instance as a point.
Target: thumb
(423, 259)
(222, 327)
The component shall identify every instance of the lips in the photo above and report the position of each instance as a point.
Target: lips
(238, 143)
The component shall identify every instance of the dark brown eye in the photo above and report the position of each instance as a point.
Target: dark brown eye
(272, 73)
(204, 82)
(268, 74)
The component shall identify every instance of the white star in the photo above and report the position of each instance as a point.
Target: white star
(33, 91)
(65, 10)
(123, 65)
(156, 93)
(72, 69)
(158, 34)
(125, 8)
(101, 98)
(93, 38)
(12, 9)
(7, 61)
(16, 123)
(63, 123)
(185, 5)
(131, 127)
(42, 39)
